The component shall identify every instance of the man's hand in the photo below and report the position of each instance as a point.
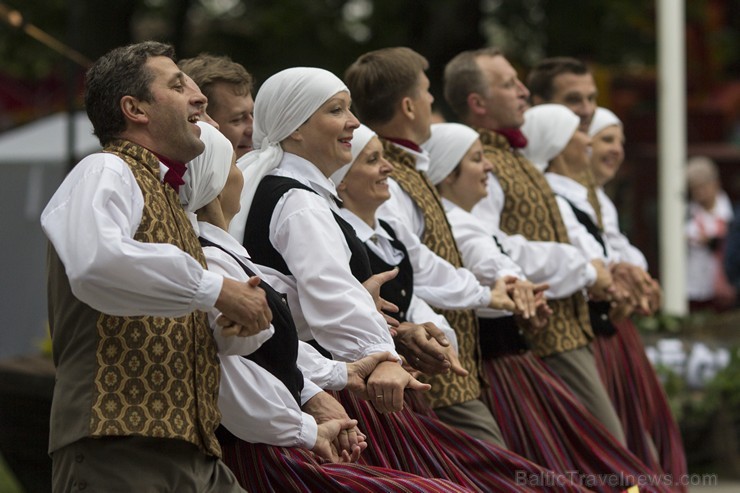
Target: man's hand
(386, 384)
(373, 285)
(500, 299)
(358, 372)
(426, 348)
(244, 308)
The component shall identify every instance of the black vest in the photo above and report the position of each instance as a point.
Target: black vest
(257, 235)
(279, 353)
(598, 311)
(399, 289)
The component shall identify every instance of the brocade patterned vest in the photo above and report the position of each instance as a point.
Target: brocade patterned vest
(447, 389)
(143, 376)
(530, 209)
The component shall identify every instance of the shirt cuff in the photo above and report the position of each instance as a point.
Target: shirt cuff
(309, 432)
(590, 275)
(208, 291)
(309, 390)
(337, 379)
(379, 348)
(506, 273)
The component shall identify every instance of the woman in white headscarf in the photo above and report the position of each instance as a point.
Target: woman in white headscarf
(540, 417)
(634, 388)
(271, 411)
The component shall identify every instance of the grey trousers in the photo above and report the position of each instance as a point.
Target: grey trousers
(129, 464)
(474, 418)
(577, 369)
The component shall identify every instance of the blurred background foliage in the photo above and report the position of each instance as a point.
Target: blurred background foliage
(268, 35)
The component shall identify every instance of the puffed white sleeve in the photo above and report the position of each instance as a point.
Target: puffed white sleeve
(256, 407)
(339, 310)
(561, 265)
(578, 234)
(91, 221)
(437, 281)
(480, 252)
(324, 372)
(223, 264)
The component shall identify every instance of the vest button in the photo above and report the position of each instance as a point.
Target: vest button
(403, 292)
(402, 314)
(79, 458)
(604, 317)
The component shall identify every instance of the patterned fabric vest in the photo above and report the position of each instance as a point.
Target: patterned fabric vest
(530, 209)
(151, 376)
(446, 389)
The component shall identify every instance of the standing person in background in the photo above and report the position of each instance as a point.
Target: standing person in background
(135, 399)
(709, 215)
(484, 90)
(634, 387)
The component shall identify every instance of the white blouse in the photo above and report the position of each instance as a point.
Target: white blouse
(327, 302)
(569, 191)
(255, 405)
(379, 241)
(91, 221)
(623, 250)
(561, 265)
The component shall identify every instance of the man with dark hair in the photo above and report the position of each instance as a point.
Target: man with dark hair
(228, 87)
(566, 81)
(484, 90)
(390, 94)
(135, 399)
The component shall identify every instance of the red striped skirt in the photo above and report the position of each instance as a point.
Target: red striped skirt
(264, 468)
(424, 446)
(640, 400)
(542, 421)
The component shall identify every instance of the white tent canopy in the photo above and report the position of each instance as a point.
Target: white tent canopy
(44, 141)
(33, 162)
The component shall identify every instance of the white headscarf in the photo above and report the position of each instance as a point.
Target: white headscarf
(284, 102)
(360, 138)
(446, 147)
(548, 128)
(207, 173)
(603, 118)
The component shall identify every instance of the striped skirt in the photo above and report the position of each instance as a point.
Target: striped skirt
(264, 468)
(424, 446)
(639, 399)
(542, 421)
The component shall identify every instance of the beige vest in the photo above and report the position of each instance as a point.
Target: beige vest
(446, 389)
(144, 376)
(530, 209)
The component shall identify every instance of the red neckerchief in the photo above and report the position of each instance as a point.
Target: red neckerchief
(175, 172)
(516, 138)
(405, 143)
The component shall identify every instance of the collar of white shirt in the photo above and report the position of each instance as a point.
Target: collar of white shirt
(304, 171)
(222, 238)
(422, 158)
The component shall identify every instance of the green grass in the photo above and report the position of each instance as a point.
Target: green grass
(8, 483)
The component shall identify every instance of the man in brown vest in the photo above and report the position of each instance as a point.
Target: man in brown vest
(134, 405)
(483, 89)
(390, 94)
(568, 81)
